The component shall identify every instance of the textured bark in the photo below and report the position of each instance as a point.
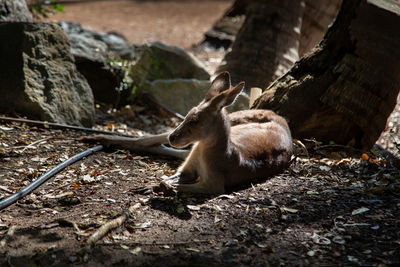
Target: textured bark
(267, 43)
(347, 87)
(316, 19)
(225, 29)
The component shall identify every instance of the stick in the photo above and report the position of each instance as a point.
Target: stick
(46, 124)
(34, 143)
(8, 236)
(108, 227)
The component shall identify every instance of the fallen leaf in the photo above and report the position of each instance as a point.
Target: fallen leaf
(4, 128)
(359, 211)
(180, 209)
(135, 251)
(193, 250)
(290, 210)
(325, 168)
(317, 239)
(124, 247)
(365, 157)
(193, 207)
(311, 253)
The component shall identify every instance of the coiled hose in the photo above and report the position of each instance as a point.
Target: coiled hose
(35, 184)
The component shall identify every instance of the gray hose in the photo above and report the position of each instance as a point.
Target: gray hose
(14, 198)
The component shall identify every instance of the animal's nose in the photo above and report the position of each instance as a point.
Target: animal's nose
(171, 138)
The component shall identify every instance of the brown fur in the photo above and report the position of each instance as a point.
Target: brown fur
(229, 150)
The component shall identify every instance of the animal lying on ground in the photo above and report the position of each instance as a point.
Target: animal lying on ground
(227, 150)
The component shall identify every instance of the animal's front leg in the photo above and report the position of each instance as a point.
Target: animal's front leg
(210, 186)
(181, 177)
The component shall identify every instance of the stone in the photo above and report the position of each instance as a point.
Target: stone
(116, 43)
(94, 57)
(160, 61)
(14, 11)
(180, 95)
(38, 76)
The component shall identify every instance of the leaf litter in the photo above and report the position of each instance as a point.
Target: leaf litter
(330, 207)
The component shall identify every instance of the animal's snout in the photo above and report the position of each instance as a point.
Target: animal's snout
(171, 138)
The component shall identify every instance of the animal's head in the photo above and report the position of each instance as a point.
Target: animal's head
(202, 118)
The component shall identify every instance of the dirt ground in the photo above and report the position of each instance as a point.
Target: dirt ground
(178, 22)
(333, 207)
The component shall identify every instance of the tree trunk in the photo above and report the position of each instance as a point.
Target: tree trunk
(316, 19)
(267, 43)
(225, 29)
(346, 89)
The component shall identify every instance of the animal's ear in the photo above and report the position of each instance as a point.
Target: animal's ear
(221, 83)
(227, 97)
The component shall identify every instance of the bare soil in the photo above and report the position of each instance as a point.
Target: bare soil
(332, 207)
(180, 23)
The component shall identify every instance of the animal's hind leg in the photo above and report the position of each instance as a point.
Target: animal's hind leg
(151, 144)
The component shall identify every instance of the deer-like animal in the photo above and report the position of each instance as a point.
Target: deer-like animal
(228, 150)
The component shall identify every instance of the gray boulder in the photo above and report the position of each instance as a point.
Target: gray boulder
(92, 59)
(180, 95)
(38, 76)
(116, 44)
(159, 61)
(14, 10)
(94, 53)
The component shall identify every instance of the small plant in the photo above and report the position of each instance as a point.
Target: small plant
(126, 82)
(43, 9)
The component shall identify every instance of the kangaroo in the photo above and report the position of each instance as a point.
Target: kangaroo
(228, 150)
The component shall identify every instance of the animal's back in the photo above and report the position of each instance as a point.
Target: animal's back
(262, 144)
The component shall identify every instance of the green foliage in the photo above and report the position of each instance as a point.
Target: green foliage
(43, 9)
(125, 65)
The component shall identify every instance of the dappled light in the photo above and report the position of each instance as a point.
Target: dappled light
(213, 132)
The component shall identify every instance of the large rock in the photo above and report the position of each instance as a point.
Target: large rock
(14, 10)
(38, 76)
(94, 57)
(115, 43)
(180, 95)
(159, 61)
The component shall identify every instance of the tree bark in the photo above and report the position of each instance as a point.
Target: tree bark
(347, 87)
(316, 19)
(225, 29)
(267, 43)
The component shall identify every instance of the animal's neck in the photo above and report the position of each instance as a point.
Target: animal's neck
(218, 139)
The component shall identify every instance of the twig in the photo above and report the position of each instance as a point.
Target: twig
(8, 236)
(108, 227)
(176, 243)
(46, 124)
(302, 146)
(34, 143)
(65, 222)
(5, 189)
